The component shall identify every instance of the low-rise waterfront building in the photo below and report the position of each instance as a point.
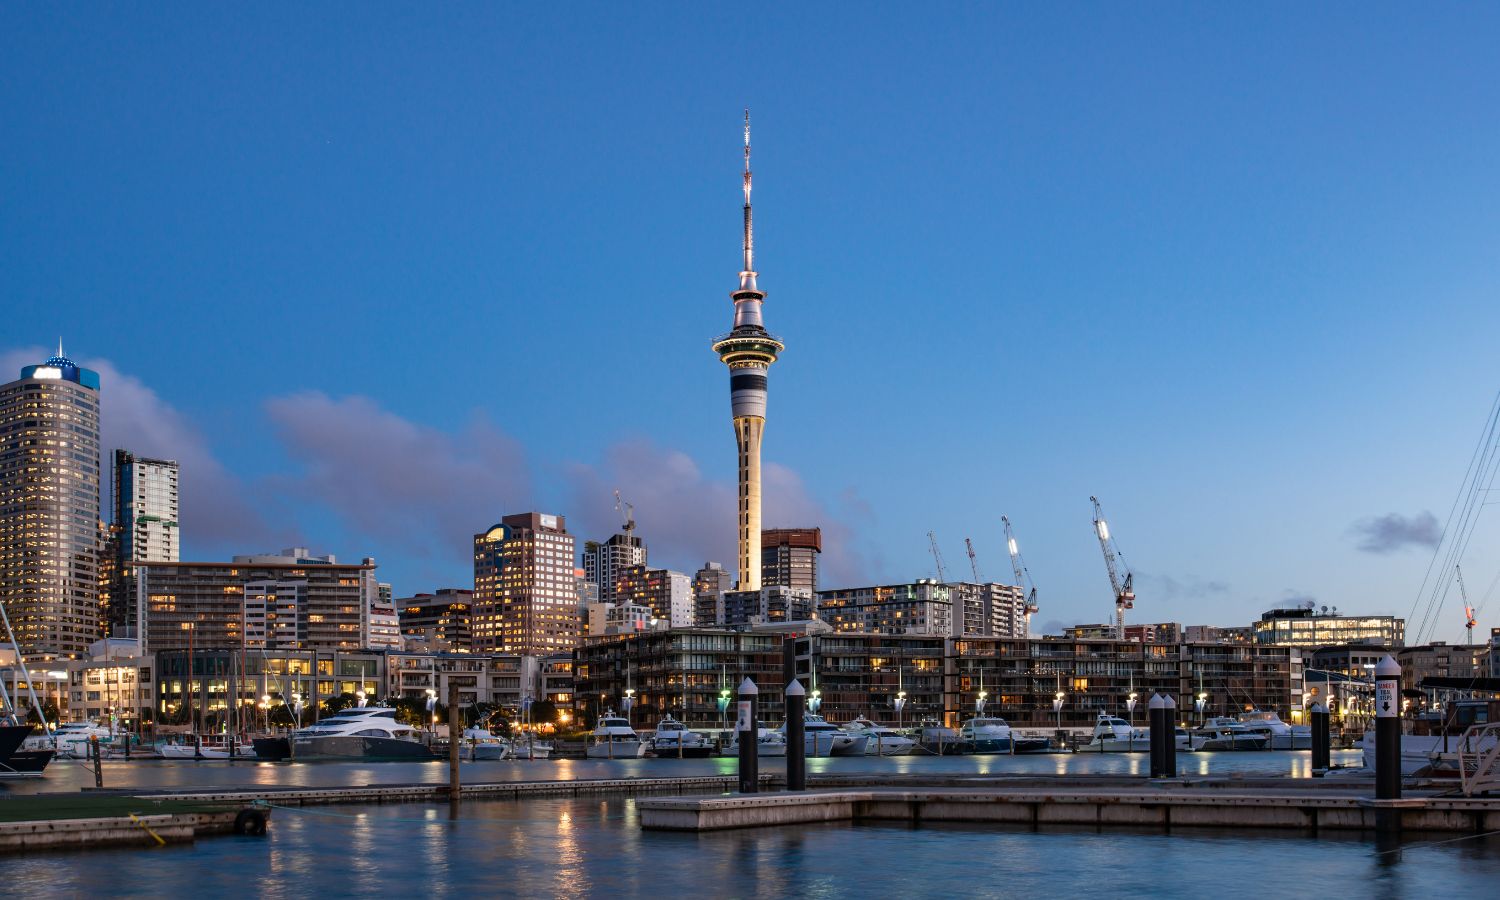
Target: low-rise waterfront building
(1306, 626)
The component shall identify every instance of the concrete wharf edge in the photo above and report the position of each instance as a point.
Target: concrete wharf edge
(113, 831)
(498, 790)
(1029, 807)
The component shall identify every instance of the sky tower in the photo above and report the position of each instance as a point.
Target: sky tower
(748, 351)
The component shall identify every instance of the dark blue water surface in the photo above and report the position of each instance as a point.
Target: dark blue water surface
(593, 847)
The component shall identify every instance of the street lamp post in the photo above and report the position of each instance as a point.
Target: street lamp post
(1057, 704)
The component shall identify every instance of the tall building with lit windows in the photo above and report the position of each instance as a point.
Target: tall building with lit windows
(143, 529)
(49, 508)
(525, 587)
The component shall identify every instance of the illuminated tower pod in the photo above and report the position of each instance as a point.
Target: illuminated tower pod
(748, 351)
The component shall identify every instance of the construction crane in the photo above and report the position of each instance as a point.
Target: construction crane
(1023, 577)
(937, 557)
(1124, 588)
(973, 563)
(627, 512)
(1468, 610)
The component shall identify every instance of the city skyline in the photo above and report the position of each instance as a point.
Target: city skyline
(1244, 383)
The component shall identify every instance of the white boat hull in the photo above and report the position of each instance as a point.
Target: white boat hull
(615, 750)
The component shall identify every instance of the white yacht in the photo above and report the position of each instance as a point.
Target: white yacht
(673, 739)
(768, 743)
(526, 746)
(1281, 735)
(360, 732)
(1113, 734)
(614, 739)
(880, 740)
(206, 746)
(822, 738)
(986, 735)
(481, 744)
(1224, 733)
(70, 739)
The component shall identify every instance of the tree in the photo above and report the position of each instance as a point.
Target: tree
(336, 704)
(543, 712)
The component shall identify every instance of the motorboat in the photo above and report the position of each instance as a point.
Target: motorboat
(823, 738)
(672, 739)
(1113, 734)
(1425, 751)
(360, 732)
(986, 735)
(1281, 735)
(937, 738)
(614, 739)
(1223, 733)
(769, 742)
(18, 761)
(206, 746)
(483, 745)
(70, 739)
(880, 740)
(526, 746)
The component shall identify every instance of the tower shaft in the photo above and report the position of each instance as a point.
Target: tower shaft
(747, 432)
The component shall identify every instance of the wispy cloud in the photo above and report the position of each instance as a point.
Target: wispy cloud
(1392, 532)
(386, 477)
(1169, 588)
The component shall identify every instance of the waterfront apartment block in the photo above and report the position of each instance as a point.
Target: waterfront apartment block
(710, 583)
(49, 508)
(603, 562)
(1305, 626)
(1440, 660)
(681, 671)
(939, 678)
(668, 594)
(1159, 633)
(525, 587)
(285, 601)
(921, 607)
(789, 557)
(439, 621)
(208, 689)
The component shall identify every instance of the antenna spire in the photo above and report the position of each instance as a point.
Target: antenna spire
(747, 276)
(59, 347)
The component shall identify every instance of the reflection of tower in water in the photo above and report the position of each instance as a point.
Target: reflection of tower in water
(748, 350)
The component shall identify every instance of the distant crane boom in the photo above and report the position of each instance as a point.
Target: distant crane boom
(1122, 585)
(627, 512)
(937, 557)
(1468, 609)
(1018, 566)
(973, 562)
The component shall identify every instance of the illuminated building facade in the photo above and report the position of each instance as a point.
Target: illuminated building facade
(603, 562)
(709, 586)
(285, 601)
(143, 528)
(922, 607)
(789, 557)
(668, 594)
(49, 508)
(748, 350)
(525, 587)
(438, 621)
(1306, 627)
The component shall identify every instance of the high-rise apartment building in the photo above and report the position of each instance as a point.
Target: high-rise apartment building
(989, 609)
(709, 586)
(49, 508)
(525, 588)
(668, 594)
(789, 557)
(771, 603)
(143, 528)
(922, 607)
(603, 562)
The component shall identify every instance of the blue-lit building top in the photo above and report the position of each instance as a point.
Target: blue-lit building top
(60, 368)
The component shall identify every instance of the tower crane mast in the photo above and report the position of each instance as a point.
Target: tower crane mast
(1122, 585)
(1018, 566)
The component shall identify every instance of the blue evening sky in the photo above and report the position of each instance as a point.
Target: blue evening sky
(381, 275)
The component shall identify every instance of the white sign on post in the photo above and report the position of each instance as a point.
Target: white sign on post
(743, 723)
(1386, 705)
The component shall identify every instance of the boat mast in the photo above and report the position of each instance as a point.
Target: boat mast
(30, 687)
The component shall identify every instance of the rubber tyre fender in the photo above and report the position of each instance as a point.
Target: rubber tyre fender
(250, 822)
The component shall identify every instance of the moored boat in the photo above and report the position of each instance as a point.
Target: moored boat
(363, 732)
(1113, 734)
(1223, 733)
(614, 739)
(673, 740)
(986, 734)
(880, 740)
(1281, 735)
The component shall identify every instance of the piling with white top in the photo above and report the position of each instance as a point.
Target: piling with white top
(747, 726)
(1387, 729)
(796, 744)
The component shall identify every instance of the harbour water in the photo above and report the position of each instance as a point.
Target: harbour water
(67, 775)
(577, 847)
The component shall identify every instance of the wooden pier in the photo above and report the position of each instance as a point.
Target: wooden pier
(86, 821)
